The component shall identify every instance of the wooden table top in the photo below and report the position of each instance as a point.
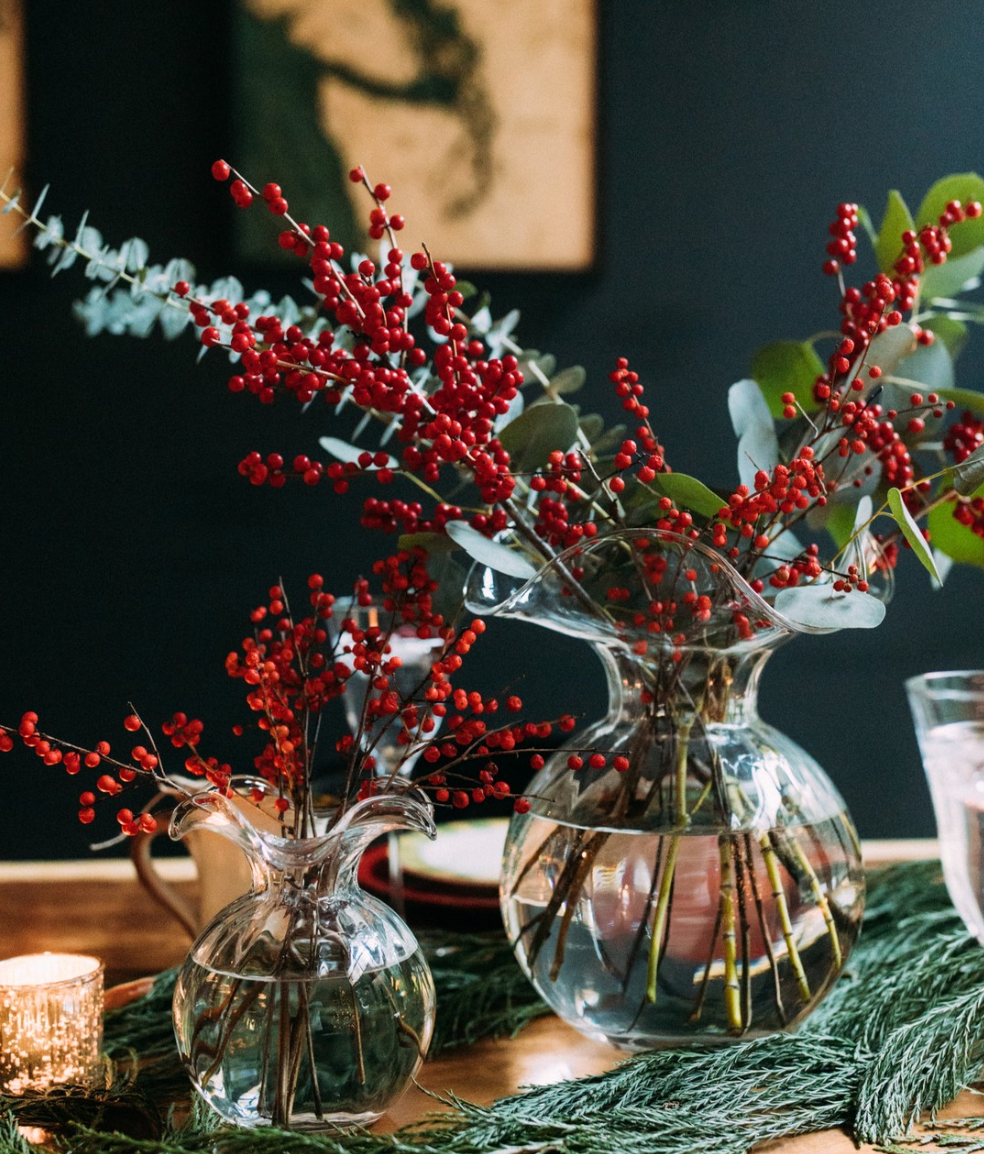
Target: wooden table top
(99, 907)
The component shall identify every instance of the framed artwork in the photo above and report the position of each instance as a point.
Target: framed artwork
(480, 116)
(12, 246)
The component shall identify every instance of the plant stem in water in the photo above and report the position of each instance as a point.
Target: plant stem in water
(765, 928)
(732, 990)
(779, 896)
(660, 918)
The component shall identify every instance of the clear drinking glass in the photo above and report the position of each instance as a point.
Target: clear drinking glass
(948, 710)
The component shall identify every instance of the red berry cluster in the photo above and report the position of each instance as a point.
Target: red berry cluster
(842, 249)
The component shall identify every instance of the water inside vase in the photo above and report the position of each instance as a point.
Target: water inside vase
(584, 936)
(354, 1044)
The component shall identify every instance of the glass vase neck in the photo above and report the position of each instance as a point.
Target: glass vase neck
(325, 863)
(718, 686)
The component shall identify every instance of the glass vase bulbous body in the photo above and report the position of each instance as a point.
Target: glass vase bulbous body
(306, 1004)
(705, 882)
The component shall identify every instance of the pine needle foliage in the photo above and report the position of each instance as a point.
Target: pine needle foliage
(898, 1037)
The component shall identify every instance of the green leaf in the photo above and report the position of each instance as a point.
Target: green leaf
(491, 553)
(592, 426)
(951, 332)
(534, 435)
(758, 446)
(609, 439)
(965, 399)
(968, 476)
(819, 607)
(892, 346)
(912, 533)
(466, 288)
(839, 522)
(954, 539)
(930, 366)
(432, 542)
(450, 577)
(953, 276)
(568, 380)
(690, 493)
(864, 219)
(897, 220)
(962, 186)
(787, 367)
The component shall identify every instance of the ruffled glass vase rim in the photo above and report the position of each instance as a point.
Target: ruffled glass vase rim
(480, 597)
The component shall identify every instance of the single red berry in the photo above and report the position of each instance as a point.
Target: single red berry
(131, 723)
(221, 170)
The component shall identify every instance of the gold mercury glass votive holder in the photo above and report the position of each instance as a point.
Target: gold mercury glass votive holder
(51, 1022)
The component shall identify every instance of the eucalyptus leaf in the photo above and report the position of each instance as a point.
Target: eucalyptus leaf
(516, 407)
(534, 435)
(930, 366)
(912, 533)
(820, 607)
(957, 541)
(491, 553)
(968, 476)
(758, 446)
(962, 186)
(891, 347)
(787, 367)
(950, 331)
(343, 451)
(955, 275)
(690, 493)
(568, 380)
(593, 425)
(897, 219)
(609, 439)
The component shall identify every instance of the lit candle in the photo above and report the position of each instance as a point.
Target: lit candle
(51, 1012)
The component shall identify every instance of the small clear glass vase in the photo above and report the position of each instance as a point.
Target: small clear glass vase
(705, 882)
(305, 1004)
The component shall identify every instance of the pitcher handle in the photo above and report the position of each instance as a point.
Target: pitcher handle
(151, 880)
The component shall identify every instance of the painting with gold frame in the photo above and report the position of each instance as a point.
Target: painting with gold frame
(480, 116)
(12, 246)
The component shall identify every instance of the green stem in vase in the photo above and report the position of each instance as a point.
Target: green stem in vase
(732, 989)
(660, 918)
(764, 927)
(821, 899)
(779, 896)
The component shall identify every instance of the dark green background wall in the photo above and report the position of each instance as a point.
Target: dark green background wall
(131, 549)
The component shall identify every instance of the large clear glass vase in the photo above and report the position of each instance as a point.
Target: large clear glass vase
(306, 1004)
(705, 882)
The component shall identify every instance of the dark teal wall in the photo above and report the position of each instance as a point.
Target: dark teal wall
(131, 551)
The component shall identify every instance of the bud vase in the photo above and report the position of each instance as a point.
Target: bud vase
(305, 1004)
(688, 873)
